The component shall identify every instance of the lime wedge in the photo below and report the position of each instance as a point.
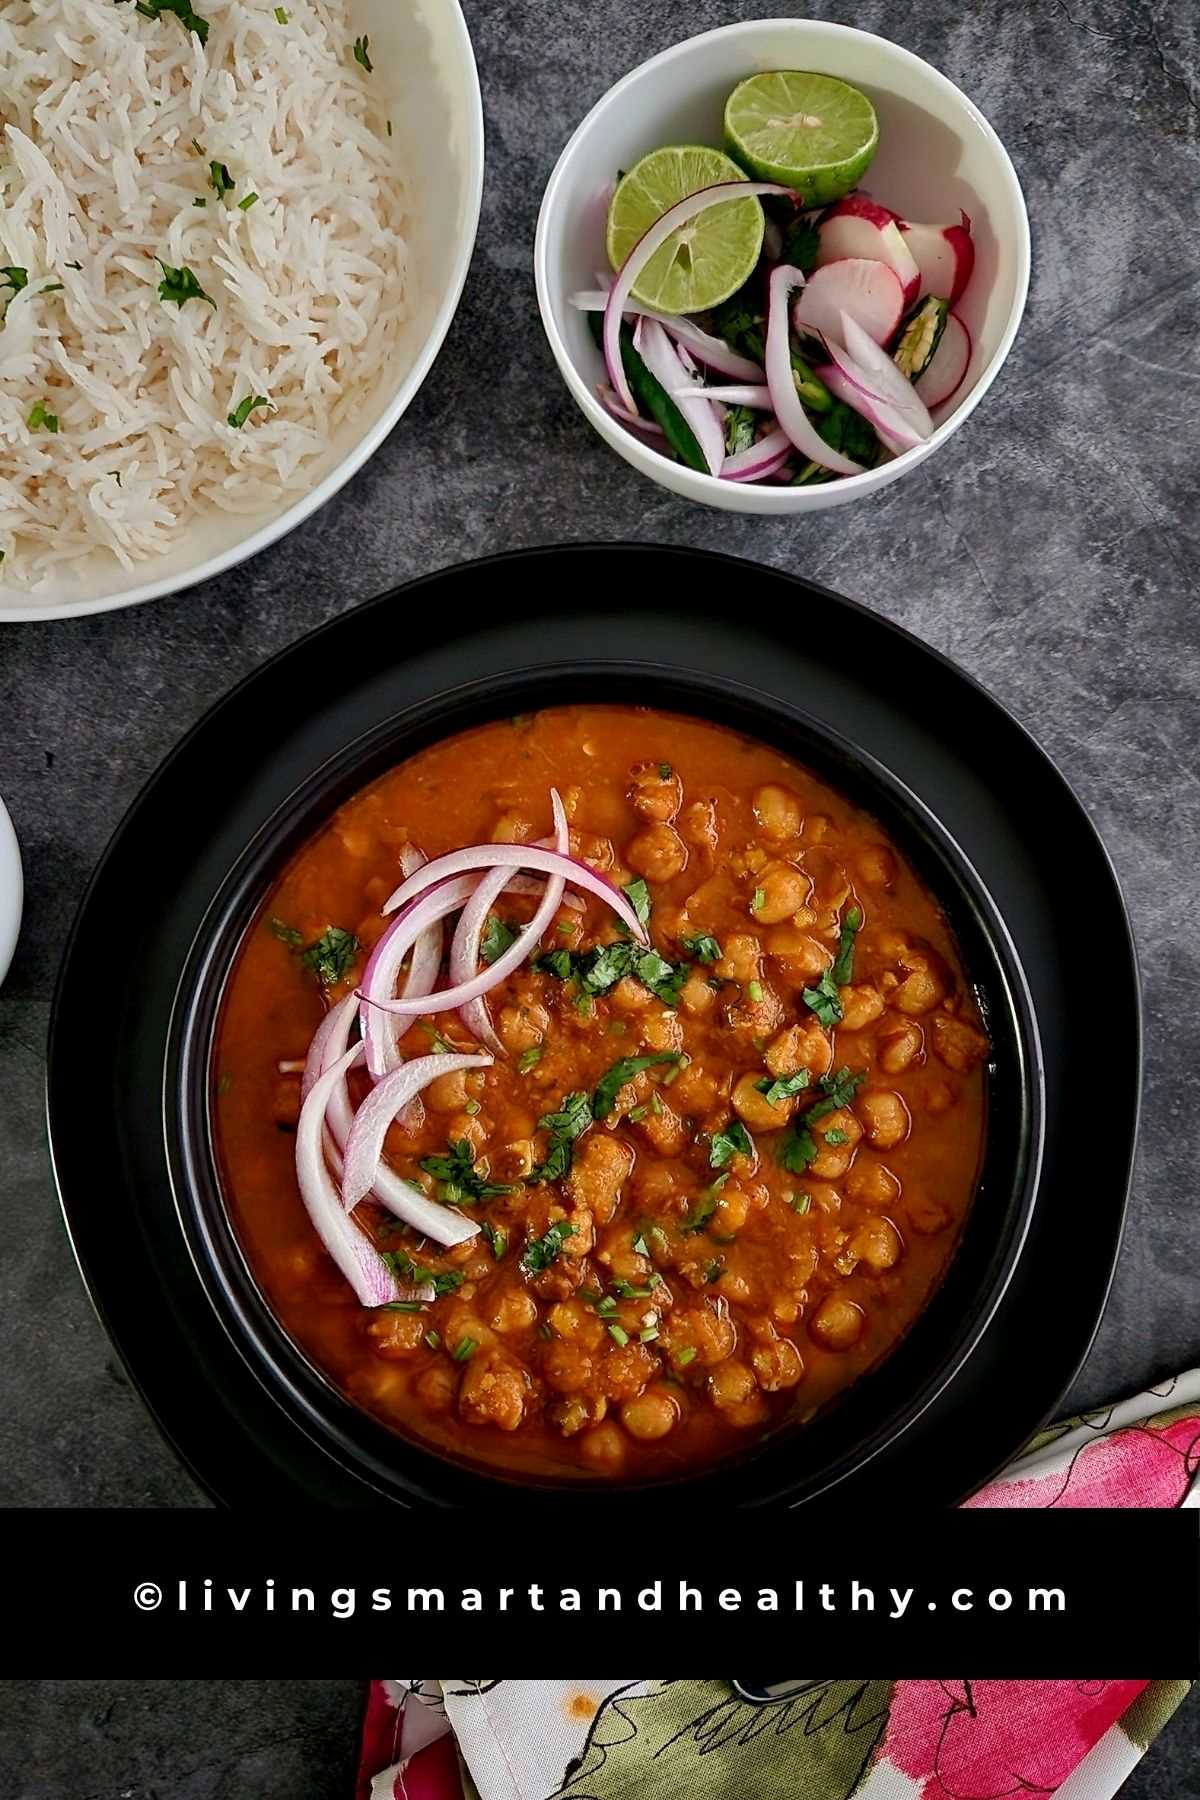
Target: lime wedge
(813, 132)
(707, 259)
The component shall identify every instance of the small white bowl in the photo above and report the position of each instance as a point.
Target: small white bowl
(12, 890)
(422, 53)
(937, 154)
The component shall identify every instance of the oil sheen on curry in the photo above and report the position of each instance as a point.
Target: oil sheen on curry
(693, 1162)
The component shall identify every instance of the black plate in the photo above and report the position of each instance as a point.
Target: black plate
(230, 794)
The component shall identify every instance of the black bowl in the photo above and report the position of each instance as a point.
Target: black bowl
(268, 766)
(788, 1463)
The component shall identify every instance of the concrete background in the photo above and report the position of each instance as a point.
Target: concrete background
(1051, 548)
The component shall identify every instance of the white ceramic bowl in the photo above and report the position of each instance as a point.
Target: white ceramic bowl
(937, 153)
(422, 51)
(12, 889)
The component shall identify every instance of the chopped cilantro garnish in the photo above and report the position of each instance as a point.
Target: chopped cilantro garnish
(201, 201)
(446, 1281)
(610, 1085)
(529, 1059)
(442, 1045)
(178, 286)
(241, 412)
(735, 1140)
(754, 992)
(839, 1090)
(219, 179)
(461, 1178)
(784, 1087)
(497, 1239)
(796, 1150)
(824, 1000)
(564, 1126)
(247, 203)
(555, 962)
(713, 1270)
(362, 54)
(52, 287)
(740, 426)
(758, 899)
(799, 1203)
(495, 939)
(14, 278)
(434, 1339)
(704, 948)
(664, 770)
(843, 965)
(472, 1107)
(638, 896)
(685, 1356)
(287, 934)
(331, 956)
(598, 970)
(618, 1334)
(404, 1306)
(835, 1137)
(541, 1252)
(191, 21)
(639, 1245)
(665, 980)
(281, 15)
(698, 1216)
(38, 417)
(648, 1336)
(464, 1349)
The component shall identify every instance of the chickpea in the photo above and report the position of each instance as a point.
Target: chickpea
(877, 866)
(730, 1385)
(435, 1386)
(878, 1244)
(742, 961)
(629, 996)
(777, 1364)
(801, 957)
(753, 1107)
(837, 1323)
(512, 1311)
(706, 1331)
(626, 1370)
(655, 795)
(662, 1030)
(733, 1209)
(834, 1158)
(803, 1046)
(652, 1415)
(695, 1091)
(492, 1392)
(565, 1367)
(919, 992)
(603, 1449)
(885, 1118)
(658, 853)
(512, 828)
(861, 1006)
(783, 890)
(778, 813)
(447, 1093)
(576, 1323)
(956, 1043)
(755, 1015)
(577, 1413)
(900, 1048)
(699, 824)
(395, 1335)
(522, 1027)
(869, 1183)
(600, 1169)
(663, 1130)
(696, 997)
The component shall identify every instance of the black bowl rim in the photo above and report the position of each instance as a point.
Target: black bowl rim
(184, 1445)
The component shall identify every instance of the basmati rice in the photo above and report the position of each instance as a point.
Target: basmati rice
(109, 124)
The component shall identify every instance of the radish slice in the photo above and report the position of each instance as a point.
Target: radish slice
(688, 208)
(869, 291)
(944, 255)
(713, 352)
(759, 397)
(464, 950)
(364, 1146)
(788, 410)
(760, 460)
(517, 856)
(859, 227)
(667, 367)
(357, 1258)
(948, 365)
(883, 378)
(893, 428)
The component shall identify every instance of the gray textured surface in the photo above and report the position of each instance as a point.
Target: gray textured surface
(1050, 548)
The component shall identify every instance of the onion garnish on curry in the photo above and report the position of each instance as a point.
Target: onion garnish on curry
(636, 1086)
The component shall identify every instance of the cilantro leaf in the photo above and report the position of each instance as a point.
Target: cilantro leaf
(739, 429)
(331, 956)
(460, 1178)
(796, 1150)
(14, 278)
(801, 241)
(610, 1085)
(541, 1252)
(362, 54)
(664, 979)
(219, 179)
(564, 1126)
(697, 1216)
(444, 1281)
(735, 1140)
(839, 1090)
(241, 412)
(496, 939)
(704, 948)
(824, 1000)
(38, 416)
(287, 934)
(784, 1087)
(178, 286)
(843, 966)
(191, 21)
(558, 963)
(638, 896)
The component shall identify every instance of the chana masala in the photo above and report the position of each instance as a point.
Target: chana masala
(682, 1173)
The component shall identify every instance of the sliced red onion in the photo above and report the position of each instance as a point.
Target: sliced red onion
(356, 1257)
(424, 967)
(713, 352)
(517, 856)
(364, 1146)
(893, 428)
(863, 357)
(688, 208)
(788, 410)
(610, 403)
(386, 959)
(464, 950)
(664, 362)
(759, 397)
(760, 460)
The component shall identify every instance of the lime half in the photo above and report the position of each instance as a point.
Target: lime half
(704, 261)
(813, 132)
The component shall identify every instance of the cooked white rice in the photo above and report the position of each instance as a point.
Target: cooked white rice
(100, 112)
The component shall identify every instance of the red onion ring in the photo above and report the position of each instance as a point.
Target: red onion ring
(517, 856)
(893, 428)
(384, 963)
(761, 459)
(713, 352)
(750, 394)
(364, 1146)
(665, 362)
(788, 410)
(356, 1257)
(864, 363)
(651, 240)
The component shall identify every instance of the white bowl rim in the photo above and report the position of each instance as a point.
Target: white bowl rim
(367, 445)
(691, 483)
(12, 890)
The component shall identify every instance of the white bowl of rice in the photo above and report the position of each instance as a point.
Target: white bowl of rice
(232, 237)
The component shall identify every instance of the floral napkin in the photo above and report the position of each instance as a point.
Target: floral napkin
(817, 1740)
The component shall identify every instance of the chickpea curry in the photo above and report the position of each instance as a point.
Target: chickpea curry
(710, 1179)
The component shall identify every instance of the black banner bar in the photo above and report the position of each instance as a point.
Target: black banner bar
(1009, 1594)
